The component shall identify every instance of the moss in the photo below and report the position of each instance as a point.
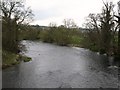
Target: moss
(9, 59)
(26, 59)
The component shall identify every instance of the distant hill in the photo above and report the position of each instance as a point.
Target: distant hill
(38, 27)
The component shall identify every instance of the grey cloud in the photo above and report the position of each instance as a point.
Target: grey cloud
(45, 14)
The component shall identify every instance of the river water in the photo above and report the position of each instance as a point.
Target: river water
(55, 66)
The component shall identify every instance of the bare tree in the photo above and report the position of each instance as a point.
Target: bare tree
(119, 27)
(92, 26)
(118, 21)
(52, 24)
(100, 27)
(106, 20)
(92, 22)
(13, 15)
(69, 23)
(15, 11)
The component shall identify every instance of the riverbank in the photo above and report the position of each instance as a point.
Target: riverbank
(10, 59)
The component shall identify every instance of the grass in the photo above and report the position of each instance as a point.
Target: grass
(9, 59)
(26, 59)
(76, 40)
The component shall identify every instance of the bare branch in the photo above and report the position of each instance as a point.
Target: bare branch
(15, 11)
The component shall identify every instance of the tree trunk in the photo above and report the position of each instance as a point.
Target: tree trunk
(119, 42)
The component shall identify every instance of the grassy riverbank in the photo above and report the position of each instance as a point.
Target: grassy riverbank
(9, 59)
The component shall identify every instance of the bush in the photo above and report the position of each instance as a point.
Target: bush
(29, 34)
(56, 35)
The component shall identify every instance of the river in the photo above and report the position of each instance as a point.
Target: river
(55, 66)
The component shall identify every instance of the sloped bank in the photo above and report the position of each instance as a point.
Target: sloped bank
(10, 59)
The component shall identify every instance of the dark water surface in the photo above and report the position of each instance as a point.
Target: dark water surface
(55, 66)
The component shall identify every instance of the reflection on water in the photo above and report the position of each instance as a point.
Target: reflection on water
(54, 66)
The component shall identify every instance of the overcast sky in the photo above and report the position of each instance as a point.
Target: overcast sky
(47, 11)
